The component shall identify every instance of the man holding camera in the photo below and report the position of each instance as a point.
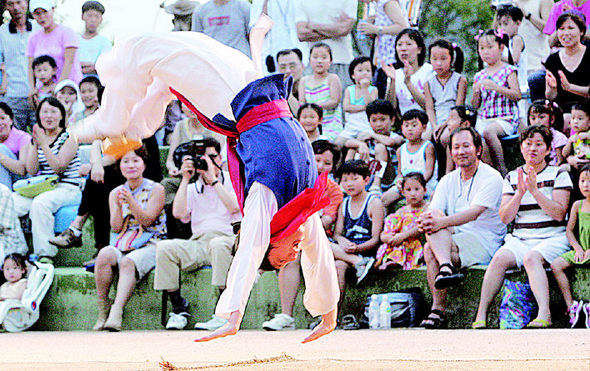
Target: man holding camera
(206, 199)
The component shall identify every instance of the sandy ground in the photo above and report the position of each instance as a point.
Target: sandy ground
(408, 349)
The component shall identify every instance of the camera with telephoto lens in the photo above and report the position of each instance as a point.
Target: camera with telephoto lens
(195, 149)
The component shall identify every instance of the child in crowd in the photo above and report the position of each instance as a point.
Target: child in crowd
(92, 45)
(415, 155)
(459, 116)
(546, 113)
(324, 89)
(310, 116)
(509, 18)
(15, 271)
(359, 223)
(580, 255)
(401, 239)
(356, 98)
(68, 94)
(577, 149)
(448, 87)
(326, 158)
(495, 93)
(90, 93)
(378, 144)
(44, 70)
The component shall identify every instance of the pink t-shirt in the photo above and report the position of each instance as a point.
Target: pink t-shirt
(207, 211)
(559, 141)
(16, 140)
(54, 45)
(560, 7)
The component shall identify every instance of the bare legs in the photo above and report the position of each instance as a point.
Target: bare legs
(289, 279)
(558, 267)
(492, 281)
(104, 272)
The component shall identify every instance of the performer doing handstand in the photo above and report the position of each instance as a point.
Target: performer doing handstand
(270, 158)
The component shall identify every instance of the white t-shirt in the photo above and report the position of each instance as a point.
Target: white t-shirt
(326, 12)
(201, 198)
(404, 98)
(452, 195)
(91, 49)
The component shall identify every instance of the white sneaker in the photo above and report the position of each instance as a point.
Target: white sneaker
(213, 324)
(177, 321)
(280, 322)
(363, 267)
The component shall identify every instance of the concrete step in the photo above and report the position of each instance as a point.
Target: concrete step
(71, 302)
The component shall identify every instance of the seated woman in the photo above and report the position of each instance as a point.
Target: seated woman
(52, 152)
(567, 77)
(12, 140)
(536, 198)
(137, 205)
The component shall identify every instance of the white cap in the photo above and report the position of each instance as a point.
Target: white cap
(43, 4)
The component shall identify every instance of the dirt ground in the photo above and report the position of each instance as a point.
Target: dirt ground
(407, 349)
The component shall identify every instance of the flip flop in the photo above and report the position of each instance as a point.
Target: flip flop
(539, 323)
(479, 325)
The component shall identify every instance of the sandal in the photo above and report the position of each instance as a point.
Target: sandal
(479, 325)
(435, 320)
(349, 322)
(539, 323)
(445, 278)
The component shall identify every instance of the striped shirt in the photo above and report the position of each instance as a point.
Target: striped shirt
(70, 175)
(494, 104)
(332, 120)
(531, 220)
(13, 45)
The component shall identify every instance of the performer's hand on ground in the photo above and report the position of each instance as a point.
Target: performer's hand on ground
(327, 325)
(230, 328)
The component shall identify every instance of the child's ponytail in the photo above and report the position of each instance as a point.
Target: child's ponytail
(500, 37)
(457, 56)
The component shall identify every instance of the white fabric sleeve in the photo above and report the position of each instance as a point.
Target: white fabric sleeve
(319, 271)
(507, 188)
(439, 198)
(259, 209)
(139, 70)
(488, 192)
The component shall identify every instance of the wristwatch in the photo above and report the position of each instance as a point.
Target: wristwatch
(528, 16)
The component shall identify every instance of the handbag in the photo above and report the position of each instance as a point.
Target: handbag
(128, 240)
(518, 306)
(34, 186)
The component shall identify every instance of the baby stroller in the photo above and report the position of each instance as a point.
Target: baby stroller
(19, 315)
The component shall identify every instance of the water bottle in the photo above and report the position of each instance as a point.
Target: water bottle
(33, 258)
(374, 312)
(385, 313)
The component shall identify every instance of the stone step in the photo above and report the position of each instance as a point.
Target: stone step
(70, 305)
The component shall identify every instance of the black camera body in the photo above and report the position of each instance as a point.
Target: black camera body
(195, 149)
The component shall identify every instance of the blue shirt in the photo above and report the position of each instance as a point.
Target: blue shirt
(13, 47)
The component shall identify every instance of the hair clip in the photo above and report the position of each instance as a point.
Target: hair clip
(478, 35)
(499, 33)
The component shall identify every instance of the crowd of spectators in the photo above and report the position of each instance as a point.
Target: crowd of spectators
(417, 176)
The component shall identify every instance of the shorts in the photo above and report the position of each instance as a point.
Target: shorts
(550, 248)
(471, 250)
(144, 258)
(509, 127)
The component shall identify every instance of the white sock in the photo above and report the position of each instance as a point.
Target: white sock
(76, 231)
